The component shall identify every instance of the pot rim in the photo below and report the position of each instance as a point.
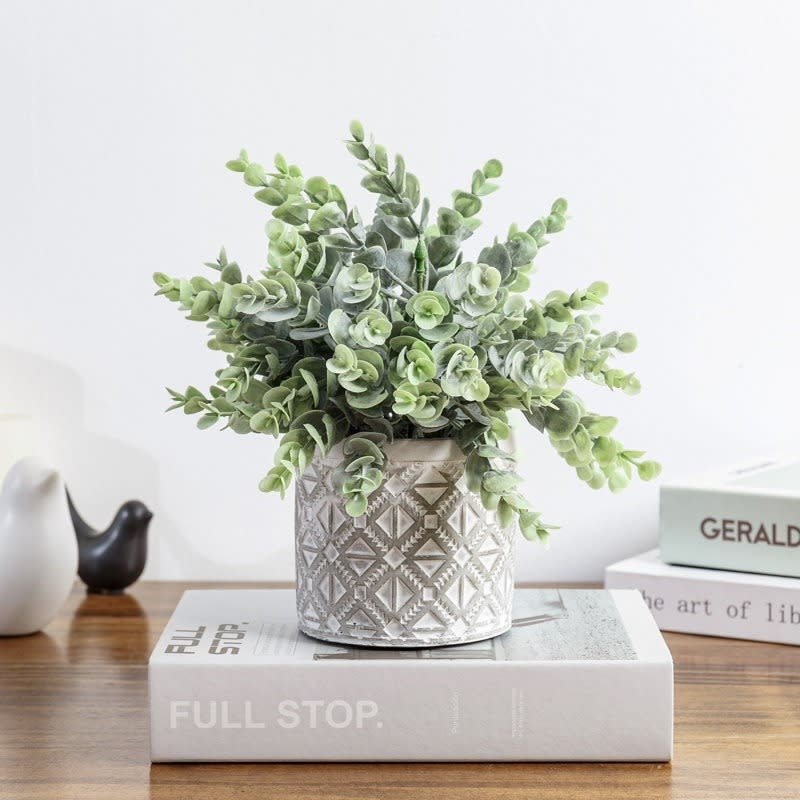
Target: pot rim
(408, 450)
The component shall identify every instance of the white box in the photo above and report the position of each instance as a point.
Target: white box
(713, 602)
(584, 675)
(747, 519)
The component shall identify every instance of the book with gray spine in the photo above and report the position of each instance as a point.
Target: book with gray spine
(583, 675)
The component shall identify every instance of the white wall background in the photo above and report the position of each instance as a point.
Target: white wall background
(672, 128)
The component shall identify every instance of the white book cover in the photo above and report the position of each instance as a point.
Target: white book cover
(745, 518)
(712, 602)
(583, 675)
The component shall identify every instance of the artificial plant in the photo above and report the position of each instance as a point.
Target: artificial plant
(363, 333)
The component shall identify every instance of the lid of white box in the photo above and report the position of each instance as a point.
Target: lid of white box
(766, 476)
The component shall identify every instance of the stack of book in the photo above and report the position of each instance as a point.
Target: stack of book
(583, 675)
(729, 561)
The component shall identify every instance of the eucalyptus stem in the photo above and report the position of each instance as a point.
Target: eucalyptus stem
(421, 259)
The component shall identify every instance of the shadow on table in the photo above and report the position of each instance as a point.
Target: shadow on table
(90, 636)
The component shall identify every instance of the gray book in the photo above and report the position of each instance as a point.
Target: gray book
(583, 675)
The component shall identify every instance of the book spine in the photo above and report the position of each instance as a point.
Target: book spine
(387, 711)
(715, 607)
(731, 530)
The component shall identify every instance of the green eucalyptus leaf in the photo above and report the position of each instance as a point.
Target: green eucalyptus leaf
(468, 205)
(412, 191)
(306, 334)
(492, 168)
(231, 274)
(357, 130)
(372, 257)
(270, 196)
(398, 209)
(379, 156)
(449, 221)
(500, 482)
(326, 217)
(402, 226)
(254, 175)
(378, 184)
(443, 249)
(207, 421)
(497, 256)
(292, 211)
(358, 150)
(505, 513)
(319, 189)
(563, 417)
(356, 505)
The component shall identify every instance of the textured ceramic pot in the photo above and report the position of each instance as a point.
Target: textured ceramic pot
(426, 564)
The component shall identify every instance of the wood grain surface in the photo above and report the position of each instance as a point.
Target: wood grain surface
(73, 724)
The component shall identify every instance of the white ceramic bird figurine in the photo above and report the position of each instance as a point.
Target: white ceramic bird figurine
(38, 551)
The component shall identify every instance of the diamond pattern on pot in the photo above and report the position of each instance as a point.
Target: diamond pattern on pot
(425, 565)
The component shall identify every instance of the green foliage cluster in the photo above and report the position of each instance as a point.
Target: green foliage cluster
(364, 333)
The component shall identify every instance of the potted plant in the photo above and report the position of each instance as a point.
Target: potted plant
(387, 361)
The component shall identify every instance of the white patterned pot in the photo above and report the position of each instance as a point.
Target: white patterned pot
(425, 565)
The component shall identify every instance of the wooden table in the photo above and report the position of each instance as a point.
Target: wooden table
(73, 724)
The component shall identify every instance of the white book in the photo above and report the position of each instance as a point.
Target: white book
(746, 518)
(712, 602)
(583, 675)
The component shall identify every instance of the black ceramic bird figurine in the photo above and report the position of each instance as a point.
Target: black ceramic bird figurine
(110, 561)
